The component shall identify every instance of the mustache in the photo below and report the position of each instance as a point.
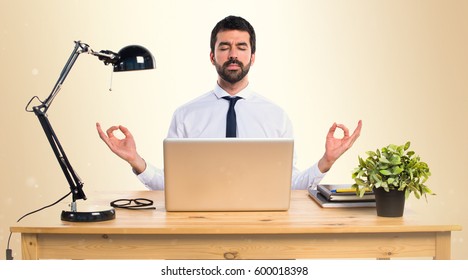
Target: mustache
(233, 61)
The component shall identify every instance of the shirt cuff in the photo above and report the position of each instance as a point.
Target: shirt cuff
(152, 177)
(315, 176)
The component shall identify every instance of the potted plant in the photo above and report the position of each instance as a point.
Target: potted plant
(392, 173)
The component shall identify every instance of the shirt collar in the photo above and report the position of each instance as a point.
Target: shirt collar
(246, 93)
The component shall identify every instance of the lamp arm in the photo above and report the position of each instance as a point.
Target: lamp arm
(79, 48)
(74, 181)
(108, 57)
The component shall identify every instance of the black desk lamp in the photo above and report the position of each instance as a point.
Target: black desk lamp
(129, 58)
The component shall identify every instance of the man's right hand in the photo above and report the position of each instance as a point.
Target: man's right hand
(124, 148)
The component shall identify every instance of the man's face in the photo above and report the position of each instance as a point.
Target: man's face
(233, 55)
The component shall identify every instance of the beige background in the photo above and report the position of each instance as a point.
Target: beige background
(400, 66)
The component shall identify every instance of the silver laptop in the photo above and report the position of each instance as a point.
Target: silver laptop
(227, 174)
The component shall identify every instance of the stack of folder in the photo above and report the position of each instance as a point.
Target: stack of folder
(340, 195)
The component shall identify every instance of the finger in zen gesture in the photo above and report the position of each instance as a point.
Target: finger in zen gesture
(347, 140)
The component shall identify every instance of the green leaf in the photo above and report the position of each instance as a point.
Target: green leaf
(393, 147)
(402, 185)
(375, 178)
(361, 182)
(397, 170)
(426, 189)
(370, 164)
(385, 186)
(385, 172)
(361, 161)
(371, 153)
(383, 160)
(400, 150)
(407, 193)
(395, 160)
(407, 145)
(362, 191)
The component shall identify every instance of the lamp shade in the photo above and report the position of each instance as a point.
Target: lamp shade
(134, 57)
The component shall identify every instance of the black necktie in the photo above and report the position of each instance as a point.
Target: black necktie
(231, 122)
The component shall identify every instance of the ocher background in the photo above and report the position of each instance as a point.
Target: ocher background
(400, 66)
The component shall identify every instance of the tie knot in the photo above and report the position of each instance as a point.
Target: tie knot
(232, 100)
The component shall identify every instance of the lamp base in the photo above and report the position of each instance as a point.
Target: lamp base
(92, 216)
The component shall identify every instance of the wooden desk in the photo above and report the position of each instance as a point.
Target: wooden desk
(305, 231)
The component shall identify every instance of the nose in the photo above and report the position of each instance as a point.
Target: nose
(233, 54)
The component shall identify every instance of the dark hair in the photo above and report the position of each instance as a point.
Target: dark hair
(233, 23)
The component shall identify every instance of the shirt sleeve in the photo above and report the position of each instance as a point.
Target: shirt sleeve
(310, 177)
(152, 177)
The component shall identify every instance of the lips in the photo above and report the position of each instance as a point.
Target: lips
(233, 66)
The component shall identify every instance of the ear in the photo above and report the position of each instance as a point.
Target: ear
(212, 58)
(252, 59)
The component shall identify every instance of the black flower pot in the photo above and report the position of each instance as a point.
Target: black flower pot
(389, 204)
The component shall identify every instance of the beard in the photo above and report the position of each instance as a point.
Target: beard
(232, 76)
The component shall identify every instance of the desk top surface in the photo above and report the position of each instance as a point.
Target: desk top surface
(303, 217)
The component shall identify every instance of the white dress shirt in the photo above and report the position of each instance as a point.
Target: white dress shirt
(257, 117)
